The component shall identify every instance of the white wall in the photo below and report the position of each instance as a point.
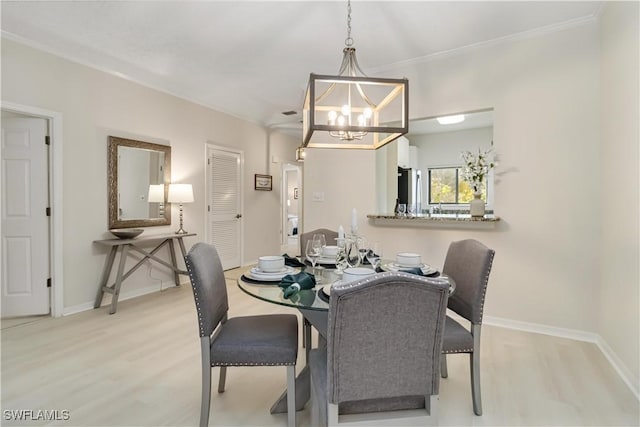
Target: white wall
(617, 301)
(549, 261)
(94, 105)
(443, 149)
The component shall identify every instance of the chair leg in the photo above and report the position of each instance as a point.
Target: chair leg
(291, 396)
(432, 401)
(222, 379)
(332, 414)
(306, 339)
(206, 381)
(443, 366)
(474, 359)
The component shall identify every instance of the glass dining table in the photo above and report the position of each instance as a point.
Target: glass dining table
(313, 304)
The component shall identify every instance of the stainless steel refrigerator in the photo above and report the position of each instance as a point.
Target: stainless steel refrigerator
(410, 188)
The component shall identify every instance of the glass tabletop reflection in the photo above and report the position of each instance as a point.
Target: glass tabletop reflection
(310, 299)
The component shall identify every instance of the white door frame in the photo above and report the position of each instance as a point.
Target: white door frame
(54, 121)
(210, 145)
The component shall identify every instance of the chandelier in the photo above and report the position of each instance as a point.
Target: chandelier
(352, 110)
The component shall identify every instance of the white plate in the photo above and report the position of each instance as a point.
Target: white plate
(255, 274)
(392, 266)
(284, 270)
(327, 288)
(398, 265)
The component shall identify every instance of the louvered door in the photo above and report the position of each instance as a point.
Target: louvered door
(224, 204)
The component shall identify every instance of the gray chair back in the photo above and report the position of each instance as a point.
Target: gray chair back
(209, 286)
(468, 262)
(384, 337)
(329, 235)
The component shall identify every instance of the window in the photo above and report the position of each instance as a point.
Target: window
(447, 186)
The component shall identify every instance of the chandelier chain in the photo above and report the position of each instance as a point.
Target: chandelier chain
(348, 41)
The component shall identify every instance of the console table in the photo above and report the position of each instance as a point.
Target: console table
(127, 245)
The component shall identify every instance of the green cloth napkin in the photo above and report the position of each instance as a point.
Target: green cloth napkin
(416, 270)
(292, 283)
(292, 261)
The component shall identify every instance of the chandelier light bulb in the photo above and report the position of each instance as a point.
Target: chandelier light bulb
(346, 110)
(332, 117)
(368, 113)
(341, 121)
(362, 120)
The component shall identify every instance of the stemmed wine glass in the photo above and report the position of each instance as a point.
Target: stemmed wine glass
(353, 252)
(362, 248)
(312, 252)
(321, 241)
(374, 255)
(341, 256)
(321, 238)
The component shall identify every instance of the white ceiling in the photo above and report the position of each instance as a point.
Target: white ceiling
(253, 59)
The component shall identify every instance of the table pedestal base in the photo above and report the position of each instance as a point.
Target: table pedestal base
(303, 393)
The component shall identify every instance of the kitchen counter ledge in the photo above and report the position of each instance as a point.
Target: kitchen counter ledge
(449, 220)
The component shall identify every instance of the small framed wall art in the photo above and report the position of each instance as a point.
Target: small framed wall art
(263, 182)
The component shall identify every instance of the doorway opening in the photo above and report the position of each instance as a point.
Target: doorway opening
(291, 202)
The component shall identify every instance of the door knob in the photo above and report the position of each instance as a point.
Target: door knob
(238, 216)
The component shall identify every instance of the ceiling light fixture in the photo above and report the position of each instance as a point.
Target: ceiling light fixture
(300, 154)
(451, 120)
(351, 110)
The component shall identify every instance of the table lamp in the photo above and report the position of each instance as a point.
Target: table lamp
(156, 195)
(180, 193)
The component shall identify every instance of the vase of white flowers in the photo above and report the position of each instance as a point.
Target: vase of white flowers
(475, 170)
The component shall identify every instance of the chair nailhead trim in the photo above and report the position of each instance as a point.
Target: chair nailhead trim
(381, 275)
(253, 364)
(484, 287)
(195, 294)
(468, 350)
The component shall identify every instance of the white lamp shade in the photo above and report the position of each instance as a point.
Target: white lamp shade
(180, 193)
(156, 193)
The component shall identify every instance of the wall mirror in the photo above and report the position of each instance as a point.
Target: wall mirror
(403, 166)
(134, 168)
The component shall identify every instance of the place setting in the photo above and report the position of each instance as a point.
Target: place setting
(270, 270)
(409, 262)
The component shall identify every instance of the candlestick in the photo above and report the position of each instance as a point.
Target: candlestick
(354, 221)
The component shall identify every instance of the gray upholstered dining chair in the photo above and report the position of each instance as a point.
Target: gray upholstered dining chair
(267, 340)
(383, 349)
(468, 263)
(329, 235)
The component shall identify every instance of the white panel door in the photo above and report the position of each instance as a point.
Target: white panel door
(25, 225)
(224, 204)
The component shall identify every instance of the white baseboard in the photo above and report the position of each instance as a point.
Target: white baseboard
(538, 328)
(618, 365)
(123, 297)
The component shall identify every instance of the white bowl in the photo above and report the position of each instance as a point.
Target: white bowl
(271, 263)
(330, 251)
(351, 274)
(408, 259)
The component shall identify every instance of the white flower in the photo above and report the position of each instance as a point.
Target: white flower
(476, 167)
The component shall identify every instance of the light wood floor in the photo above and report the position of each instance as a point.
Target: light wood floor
(141, 367)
